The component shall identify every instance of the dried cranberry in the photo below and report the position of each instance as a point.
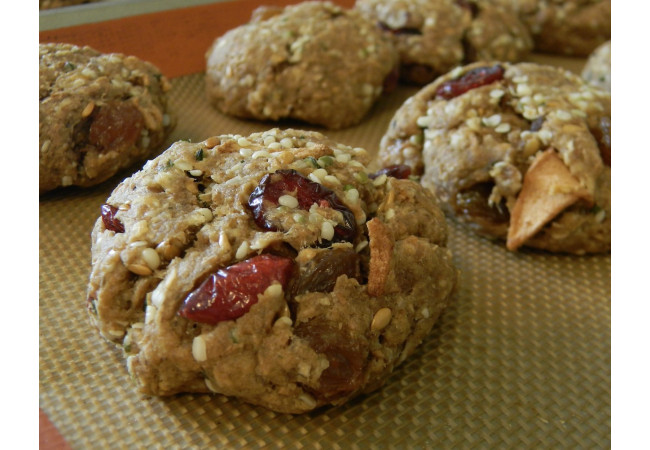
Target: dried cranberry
(474, 78)
(231, 292)
(603, 135)
(345, 354)
(110, 221)
(115, 125)
(275, 185)
(401, 171)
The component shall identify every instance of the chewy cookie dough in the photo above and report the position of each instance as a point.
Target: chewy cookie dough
(313, 62)
(598, 70)
(519, 152)
(565, 27)
(434, 36)
(271, 267)
(98, 114)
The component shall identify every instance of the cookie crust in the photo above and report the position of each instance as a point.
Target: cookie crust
(98, 114)
(320, 341)
(598, 69)
(313, 62)
(473, 150)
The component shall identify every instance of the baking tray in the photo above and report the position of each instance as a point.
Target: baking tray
(520, 359)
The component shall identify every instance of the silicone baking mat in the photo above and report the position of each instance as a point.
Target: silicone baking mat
(520, 359)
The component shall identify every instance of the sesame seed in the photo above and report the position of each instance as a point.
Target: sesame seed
(268, 140)
(242, 251)
(424, 121)
(183, 165)
(286, 142)
(320, 173)
(288, 200)
(274, 146)
(245, 152)
(361, 245)
(343, 158)
(196, 172)
(524, 89)
(151, 258)
(139, 269)
(326, 231)
(331, 179)
(381, 319)
(273, 291)
(205, 213)
(260, 154)
(503, 128)
(563, 115)
(497, 93)
(381, 179)
(312, 176)
(284, 320)
(492, 121)
(390, 214)
(352, 195)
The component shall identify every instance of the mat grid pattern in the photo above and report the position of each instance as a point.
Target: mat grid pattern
(520, 359)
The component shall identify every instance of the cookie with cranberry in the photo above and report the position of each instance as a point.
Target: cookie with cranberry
(565, 27)
(312, 62)
(598, 69)
(273, 268)
(434, 36)
(519, 152)
(98, 113)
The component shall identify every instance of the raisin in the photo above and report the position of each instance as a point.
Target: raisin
(345, 354)
(115, 125)
(469, 6)
(473, 203)
(275, 185)
(321, 272)
(481, 76)
(400, 171)
(110, 221)
(603, 135)
(536, 124)
(231, 292)
(397, 31)
(391, 80)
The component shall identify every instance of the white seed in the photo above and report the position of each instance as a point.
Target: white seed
(283, 321)
(260, 154)
(425, 312)
(269, 139)
(312, 176)
(139, 269)
(381, 319)
(424, 121)
(196, 172)
(563, 115)
(208, 383)
(492, 121)
(545, 136)
(361, 245)
(88, 109)
(205, 213)
(224, 242)
(381, 179)
(331, 179)
(151, 258)
(320, 173)
(523, 89)
(308, 400)
(304, 369)
(352, 195)
(242, 251)
(245, 152)
(497, 93)
(343, 158)
(199, 350)
(326, 231)
(390, 214)
(243, 142)
(274, 146)
(273, 291)
(183, 165)
(503, 128)
(288, 200)
(286, 142)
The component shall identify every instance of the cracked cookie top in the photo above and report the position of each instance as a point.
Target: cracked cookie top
(313, 62)
(272, 267)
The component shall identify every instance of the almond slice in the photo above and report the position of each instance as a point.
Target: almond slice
(548, 188)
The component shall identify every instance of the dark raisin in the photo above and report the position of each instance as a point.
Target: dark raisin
(321, 272)
(110, 221)
(345, 354)
(275, 185)
(231, 292)
(536, 124)
(469, 6)
(405, 30)
(391, 80)
(481, 76)
(473, 203)
(603, 135)
(115, 125)
(400, 171)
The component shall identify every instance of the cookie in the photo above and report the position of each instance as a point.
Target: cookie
(98, 114)
(312, 62)
(271, 267)
(519, 152)
(51, 4)
(564, 27)
(598, 69)
(434, 36)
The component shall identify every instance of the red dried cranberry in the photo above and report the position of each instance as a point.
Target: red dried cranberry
(400, 171)
(110, 221)
(115, 125)
(474, 78)
(231, 292)
(275, 185)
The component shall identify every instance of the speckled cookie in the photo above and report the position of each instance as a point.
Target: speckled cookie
(272, 267)
(598, 69)
(313, 62)
(519, 152)
(565, 27)
(434, 36)
(98, 114)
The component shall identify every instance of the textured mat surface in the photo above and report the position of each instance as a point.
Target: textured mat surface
(521, 359)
